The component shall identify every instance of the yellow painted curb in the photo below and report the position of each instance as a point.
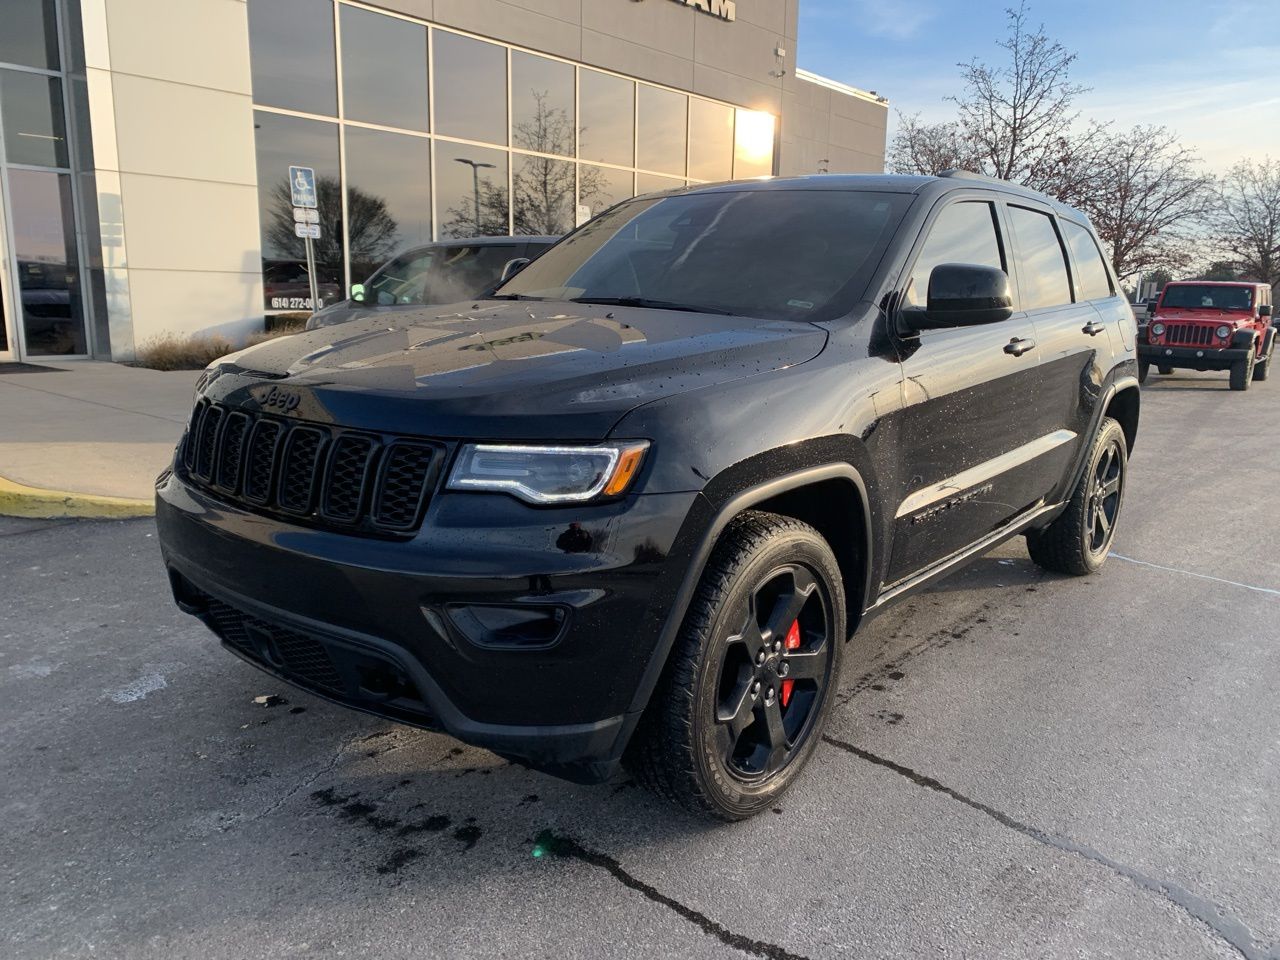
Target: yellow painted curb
(18, 500)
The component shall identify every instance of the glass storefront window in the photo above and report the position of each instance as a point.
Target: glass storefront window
(601, 187)
(663, 130)
(753, 145)
(388, 195)
(652, 183)
(384, 69)
(544, 196)
(34, 130)
(471, 191)
(29, 35)
(710, 140)
(606, 122)
(44, 233)
(283, 142)
(292, 54)
(542, 114)
(471, 102)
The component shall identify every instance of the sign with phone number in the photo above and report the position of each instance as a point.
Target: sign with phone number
(291, 303)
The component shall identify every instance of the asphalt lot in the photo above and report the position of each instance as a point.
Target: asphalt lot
(1020, 765)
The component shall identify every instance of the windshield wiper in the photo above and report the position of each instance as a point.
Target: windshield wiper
(652, 304)
(513, 296)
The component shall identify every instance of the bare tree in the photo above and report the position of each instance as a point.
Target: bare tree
(1246, 219)
(1145, 194)
(929, 148)
(371, 229)
(1019, 116)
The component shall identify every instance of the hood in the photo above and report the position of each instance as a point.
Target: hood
(348, 310)
(506, 369)
(1201, 315)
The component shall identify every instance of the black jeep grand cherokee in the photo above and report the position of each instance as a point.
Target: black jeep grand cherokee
(630, 508)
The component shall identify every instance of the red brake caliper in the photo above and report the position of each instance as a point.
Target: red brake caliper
(791, 643)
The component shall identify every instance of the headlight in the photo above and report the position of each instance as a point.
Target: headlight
(1223, 332)
(1157, 330)
(551, 474)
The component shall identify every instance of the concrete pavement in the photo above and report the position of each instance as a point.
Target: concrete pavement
(1019, 766)
(91, 428)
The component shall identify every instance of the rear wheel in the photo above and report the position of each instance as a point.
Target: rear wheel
(1165, 371)
(1262, 369)
(1242, 371)
(1078, 541)
(746, 692)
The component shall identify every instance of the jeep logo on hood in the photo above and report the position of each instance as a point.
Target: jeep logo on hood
(280, 401)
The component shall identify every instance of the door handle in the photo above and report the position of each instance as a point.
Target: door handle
(1018, 346)
(1094, 328)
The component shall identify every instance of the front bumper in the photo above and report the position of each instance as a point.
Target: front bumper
(1195, 358)
(374, 624)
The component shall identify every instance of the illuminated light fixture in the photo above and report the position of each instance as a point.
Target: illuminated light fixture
(753, 138)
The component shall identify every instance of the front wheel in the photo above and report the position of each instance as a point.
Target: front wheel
(1144, 370)
(745, 694)
(1242, 372)
(1165, 371)
(1077, 542)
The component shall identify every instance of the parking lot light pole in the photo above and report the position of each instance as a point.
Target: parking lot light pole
(476, 167)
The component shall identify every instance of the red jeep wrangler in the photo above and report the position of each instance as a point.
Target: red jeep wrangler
(1203, 325)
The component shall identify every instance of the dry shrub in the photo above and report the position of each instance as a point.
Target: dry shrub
(170, 351)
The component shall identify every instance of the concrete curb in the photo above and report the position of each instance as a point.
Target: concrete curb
(18, 500)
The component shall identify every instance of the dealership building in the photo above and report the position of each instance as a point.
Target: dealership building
(145, 145)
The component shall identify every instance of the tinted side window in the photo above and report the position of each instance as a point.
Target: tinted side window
(963, 233)
(1092, 276)
(1042, 263)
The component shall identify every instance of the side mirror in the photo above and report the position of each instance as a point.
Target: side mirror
(357, 292)
(1264, 310)
(963, 295)
(513, 267)
(1151, 304)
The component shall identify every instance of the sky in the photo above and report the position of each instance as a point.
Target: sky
(1208, 70)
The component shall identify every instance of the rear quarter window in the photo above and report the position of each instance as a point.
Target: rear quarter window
(1091, 270)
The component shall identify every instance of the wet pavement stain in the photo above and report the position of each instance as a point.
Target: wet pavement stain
(468, 836)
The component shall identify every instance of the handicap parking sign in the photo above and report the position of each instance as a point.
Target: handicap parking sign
(302, 183)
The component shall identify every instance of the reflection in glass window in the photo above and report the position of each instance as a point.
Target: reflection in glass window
(291, 52)
(541, 104)
(753, 144)
(384, 69)
(462, 271)
(606, 122)
(1092, 276)
(388, 195)
(544, 196)
(31, 106)
(962, 233)
(1042, 263)
(664, 130)
(30, 34)
(601, 187)
(471, 190)
(710, 140)
(471, 88)
(652, 183)
(291, 141)
(48, 268)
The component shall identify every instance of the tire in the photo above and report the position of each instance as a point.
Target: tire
(1077, 543)
(1165, 371)
(1262, 369)
(718, 736)
(1242, 372)
(1144, 370)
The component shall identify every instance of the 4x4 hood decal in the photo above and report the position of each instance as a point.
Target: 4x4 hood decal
(506, 368)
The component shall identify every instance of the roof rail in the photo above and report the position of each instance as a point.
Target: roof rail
(954, 174)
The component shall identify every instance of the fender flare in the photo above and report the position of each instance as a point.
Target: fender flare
(721, 515)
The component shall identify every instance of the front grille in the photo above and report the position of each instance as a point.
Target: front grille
(316, 474)
(1188, 334)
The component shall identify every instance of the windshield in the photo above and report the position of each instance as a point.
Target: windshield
(1199, 296)
(439, 274)
(775, 254)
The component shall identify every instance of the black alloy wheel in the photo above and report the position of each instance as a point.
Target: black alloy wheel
(749, 682)
(774, 672)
